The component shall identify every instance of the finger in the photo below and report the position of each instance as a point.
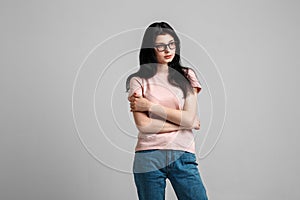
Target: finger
(132, 106)
(136, 95)
(131, 97)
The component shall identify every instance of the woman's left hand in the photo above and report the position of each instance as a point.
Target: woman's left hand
(139, 103)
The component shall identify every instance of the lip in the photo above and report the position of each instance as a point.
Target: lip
(167, 57)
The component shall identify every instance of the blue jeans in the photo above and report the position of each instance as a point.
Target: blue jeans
(151, 168)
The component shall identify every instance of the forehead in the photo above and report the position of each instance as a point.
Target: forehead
(164, 38)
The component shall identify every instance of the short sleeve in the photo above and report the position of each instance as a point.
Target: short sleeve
(135, 86)
(193, 79)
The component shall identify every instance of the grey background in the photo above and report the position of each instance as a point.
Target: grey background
(254, 43)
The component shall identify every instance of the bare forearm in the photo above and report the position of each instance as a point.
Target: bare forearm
(185, 118)
(146, 124)
(180, 117)
(158, 126)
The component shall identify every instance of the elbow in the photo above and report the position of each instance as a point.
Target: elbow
(141, 122)
(140, 126)
(188, 122)
(149, 127)
(143, 127)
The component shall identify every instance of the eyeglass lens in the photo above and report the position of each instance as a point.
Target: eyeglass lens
(163, 47)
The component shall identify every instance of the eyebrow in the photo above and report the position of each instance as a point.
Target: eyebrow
(164, 43)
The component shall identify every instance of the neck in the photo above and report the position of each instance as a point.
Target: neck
(162, 68)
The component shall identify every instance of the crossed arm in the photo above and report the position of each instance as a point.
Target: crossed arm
(172, 119)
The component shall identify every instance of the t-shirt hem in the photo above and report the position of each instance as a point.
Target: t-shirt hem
(191, 150)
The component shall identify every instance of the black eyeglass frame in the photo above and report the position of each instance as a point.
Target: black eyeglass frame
(165, 46)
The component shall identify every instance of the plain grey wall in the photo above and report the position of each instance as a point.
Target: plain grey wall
(254, 44)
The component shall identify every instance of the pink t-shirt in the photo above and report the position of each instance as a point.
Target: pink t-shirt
(157, 89)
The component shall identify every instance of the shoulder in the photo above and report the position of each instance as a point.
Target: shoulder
(135, 86)
(136, 79)
(191, 75)
(136, 82)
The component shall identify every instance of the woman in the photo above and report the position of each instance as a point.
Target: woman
(163, 100)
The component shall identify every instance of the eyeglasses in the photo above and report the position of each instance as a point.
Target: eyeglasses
(163, 47)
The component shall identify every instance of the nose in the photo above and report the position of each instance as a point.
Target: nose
(167, 49)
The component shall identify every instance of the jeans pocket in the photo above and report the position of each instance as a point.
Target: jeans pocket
(148, 160)
(189, 159)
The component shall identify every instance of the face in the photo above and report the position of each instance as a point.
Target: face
(165, 48)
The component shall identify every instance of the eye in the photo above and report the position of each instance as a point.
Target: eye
(172, 44)
(160, 46)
